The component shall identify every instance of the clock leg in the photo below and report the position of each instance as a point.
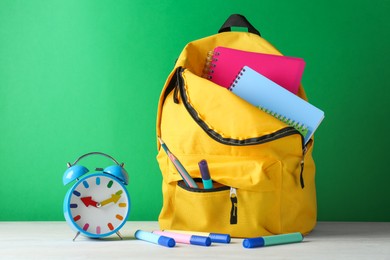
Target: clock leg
(119, 235)
(77, 234)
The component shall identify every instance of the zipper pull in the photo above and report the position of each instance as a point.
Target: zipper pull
(303, 166)
(233, 211)
(301, 175)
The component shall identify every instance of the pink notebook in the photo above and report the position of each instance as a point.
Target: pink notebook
(226, 63)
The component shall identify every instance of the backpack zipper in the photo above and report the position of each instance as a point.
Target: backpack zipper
(304, 151)
(233, 211)
(287, 131)
(178, 87)
(200, 190)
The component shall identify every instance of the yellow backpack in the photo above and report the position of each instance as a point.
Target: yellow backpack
(263, 176)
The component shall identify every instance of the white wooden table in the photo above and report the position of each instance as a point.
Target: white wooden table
(53, 240)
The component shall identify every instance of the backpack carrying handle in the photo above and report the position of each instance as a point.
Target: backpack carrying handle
(238, 20)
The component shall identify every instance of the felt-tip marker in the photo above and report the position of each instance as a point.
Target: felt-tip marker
(214, 237)
(154, 238)
(204, 171)
(186, 238)
(179, 167)
(272, 240)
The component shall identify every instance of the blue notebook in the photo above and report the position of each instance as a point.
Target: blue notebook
(277, 101)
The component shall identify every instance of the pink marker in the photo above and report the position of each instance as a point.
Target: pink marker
(186, 238)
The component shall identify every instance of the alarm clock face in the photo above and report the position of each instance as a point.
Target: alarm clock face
(97, 205)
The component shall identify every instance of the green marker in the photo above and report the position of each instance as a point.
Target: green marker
(272, 240)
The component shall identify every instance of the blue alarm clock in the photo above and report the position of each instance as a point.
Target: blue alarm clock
(98, 204)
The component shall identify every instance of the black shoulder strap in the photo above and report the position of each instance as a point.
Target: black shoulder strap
(238, 20)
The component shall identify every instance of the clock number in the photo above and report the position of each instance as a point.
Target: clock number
(110, 226)
(86, 185)
(86, 226)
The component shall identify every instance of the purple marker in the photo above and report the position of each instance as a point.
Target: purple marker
(186, 238)
(204, 171)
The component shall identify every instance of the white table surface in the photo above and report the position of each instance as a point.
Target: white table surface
(54, 240)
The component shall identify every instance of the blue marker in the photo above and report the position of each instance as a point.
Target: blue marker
(214, 237)
(154, 238)
(272, 240)
(204, 171)
(186, 238)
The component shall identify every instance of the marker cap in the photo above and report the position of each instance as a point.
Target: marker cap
(220, 238)
(166, 241)
(200, 240)
(207, 184)
(253, 242)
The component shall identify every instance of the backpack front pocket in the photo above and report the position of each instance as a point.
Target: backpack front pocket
(241, 211)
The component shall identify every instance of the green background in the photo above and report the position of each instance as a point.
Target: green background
(85, 75)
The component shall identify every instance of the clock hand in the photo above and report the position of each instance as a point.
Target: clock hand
(114, 198)
(88, 201)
